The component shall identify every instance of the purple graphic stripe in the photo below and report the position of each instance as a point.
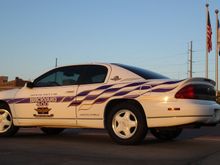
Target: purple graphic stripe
(91, 97)
(145, 87)
(26, 100)
(166, 83)
(173, 82)
(75, 103)
(101, 100)
(107, 89)
(162, 90)
(112, 90)
(60, 98)
(104, 87)
(84, 93)
(134, 84)
(68, 99)
(122, 93)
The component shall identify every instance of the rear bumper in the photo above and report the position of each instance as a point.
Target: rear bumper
(183, 112)
(215, 119)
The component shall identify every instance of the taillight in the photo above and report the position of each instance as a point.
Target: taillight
(188, 92)
(196, 91)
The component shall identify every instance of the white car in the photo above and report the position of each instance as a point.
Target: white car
(126, 100)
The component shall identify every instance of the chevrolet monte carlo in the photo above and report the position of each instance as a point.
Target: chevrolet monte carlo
(126, 100)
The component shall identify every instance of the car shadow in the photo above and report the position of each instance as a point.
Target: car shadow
(101, 136)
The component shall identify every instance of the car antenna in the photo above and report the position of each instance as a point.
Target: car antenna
(56, 63)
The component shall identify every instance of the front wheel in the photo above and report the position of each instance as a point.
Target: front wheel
(166, 133)
(126, 124)
(7, 127)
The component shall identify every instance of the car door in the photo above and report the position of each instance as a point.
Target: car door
(48, 100)
(90, 95)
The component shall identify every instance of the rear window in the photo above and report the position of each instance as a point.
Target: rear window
(94, 74)
(146, 74)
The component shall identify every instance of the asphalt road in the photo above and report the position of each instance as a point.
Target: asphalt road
(83, 146)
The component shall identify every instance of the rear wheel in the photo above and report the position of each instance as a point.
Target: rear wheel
(126, 124)
(52, 131)
(166, 133)
(7, 127)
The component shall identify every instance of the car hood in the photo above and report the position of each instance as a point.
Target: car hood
(8, 93)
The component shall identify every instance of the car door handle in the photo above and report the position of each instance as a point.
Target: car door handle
(70, 91)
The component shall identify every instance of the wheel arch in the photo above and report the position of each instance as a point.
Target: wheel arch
(12, 128)
(5, 104)
(115, 102)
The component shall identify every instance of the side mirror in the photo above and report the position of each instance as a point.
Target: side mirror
(30, 85)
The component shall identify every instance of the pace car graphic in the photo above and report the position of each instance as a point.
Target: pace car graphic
(101, 94)
(126, 100)
(129, 91)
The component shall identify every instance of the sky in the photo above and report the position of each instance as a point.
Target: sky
(152, 34)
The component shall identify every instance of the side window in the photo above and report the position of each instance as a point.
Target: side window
(60, 77)
(94, 74)
(50, 79)
(71, 76)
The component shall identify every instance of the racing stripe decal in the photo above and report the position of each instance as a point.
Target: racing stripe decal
(163, 89)
(122, 90)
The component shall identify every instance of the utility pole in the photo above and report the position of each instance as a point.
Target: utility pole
(190, 60)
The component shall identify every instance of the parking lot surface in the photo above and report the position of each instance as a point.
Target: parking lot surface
(84, 146)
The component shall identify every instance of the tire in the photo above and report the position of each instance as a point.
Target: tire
(166, 133)
(7, 128)
(52, 131)
(126, 124)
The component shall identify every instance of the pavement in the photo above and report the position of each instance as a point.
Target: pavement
(92, 146)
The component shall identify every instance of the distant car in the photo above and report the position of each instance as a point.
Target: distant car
(126, 100)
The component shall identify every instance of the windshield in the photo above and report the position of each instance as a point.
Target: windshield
(146, 74)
